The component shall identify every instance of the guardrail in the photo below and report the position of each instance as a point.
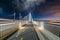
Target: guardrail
(7, 29)
(50, 35)
(46, 35)
(53, 28)
(56, 27)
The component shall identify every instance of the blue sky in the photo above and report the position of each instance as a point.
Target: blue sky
(45, 10)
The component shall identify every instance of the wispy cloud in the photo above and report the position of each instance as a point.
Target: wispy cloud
(32, 3)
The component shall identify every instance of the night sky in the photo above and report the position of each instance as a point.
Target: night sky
(43, 10)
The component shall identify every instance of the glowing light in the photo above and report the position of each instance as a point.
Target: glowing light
(20, 27)
(35, 22)
(41, 26)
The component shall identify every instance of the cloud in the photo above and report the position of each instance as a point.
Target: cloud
(50, 18)
(57, 14)
(54, 11)
(32, 3)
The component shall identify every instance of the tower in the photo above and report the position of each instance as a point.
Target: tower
(30, 17)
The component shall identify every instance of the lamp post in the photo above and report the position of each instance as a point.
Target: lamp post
(19, 28)
(20, 16)
(14, 16)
